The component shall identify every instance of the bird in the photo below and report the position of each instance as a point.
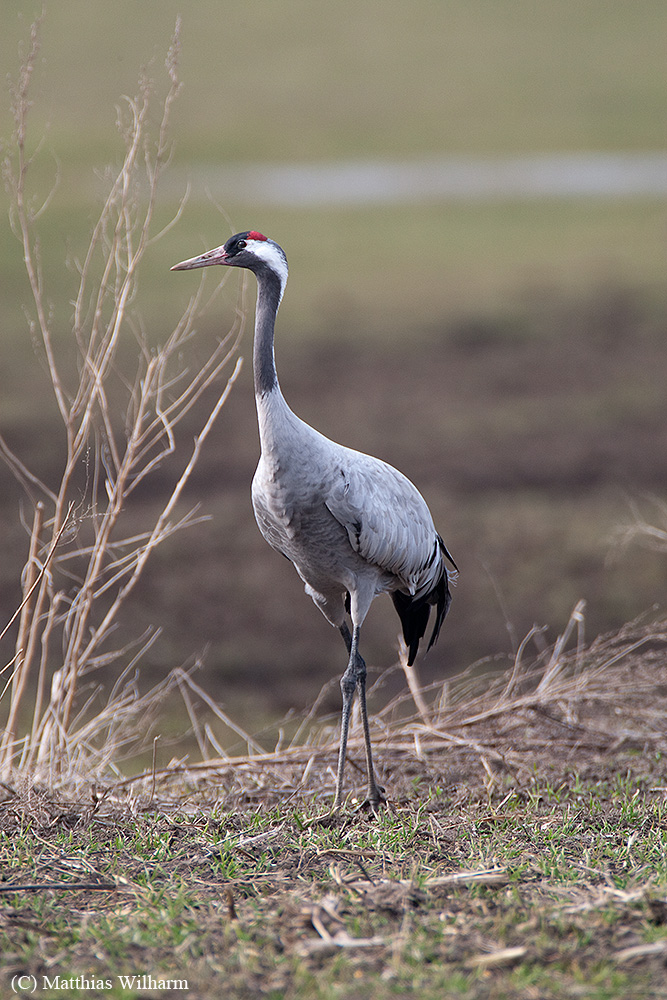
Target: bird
(352, 525)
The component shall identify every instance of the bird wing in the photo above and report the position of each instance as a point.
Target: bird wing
(387, 520)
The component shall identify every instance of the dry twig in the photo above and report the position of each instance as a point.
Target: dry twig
(120, 415)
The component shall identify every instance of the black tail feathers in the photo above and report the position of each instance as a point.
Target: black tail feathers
(415, 613)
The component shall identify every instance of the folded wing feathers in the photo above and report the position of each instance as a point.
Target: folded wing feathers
(388, 523)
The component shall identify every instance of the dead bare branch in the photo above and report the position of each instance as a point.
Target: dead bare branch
(120, 420)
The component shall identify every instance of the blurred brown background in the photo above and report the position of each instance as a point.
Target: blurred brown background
(505, 348)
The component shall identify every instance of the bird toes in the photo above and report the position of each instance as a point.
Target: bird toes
(374, 799)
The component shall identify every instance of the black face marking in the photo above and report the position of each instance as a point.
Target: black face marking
(236, 244)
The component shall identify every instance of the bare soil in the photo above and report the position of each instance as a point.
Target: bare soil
(521, 853)
(530, 436)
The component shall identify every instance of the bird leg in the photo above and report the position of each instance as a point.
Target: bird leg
(347, 638)
(353, 679)
(348, 685)
(375, 794)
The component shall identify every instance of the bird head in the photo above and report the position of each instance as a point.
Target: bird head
(251, 250)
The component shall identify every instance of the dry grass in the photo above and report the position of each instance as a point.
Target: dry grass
(648, 531)
(478, 733)
(119, 411)
(522, 853)
(482, 730)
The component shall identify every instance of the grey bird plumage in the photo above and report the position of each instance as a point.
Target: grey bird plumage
(352, 525)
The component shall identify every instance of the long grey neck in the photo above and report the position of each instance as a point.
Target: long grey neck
(281, 434)
(264, 365)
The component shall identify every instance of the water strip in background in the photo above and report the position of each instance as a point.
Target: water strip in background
(368, 182)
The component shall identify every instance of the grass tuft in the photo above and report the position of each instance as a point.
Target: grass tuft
(522, 852)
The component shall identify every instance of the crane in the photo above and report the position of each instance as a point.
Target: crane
(352, 525)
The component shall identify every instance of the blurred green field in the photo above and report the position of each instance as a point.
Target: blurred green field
(296, 82)
(389, 274)
(509, 355)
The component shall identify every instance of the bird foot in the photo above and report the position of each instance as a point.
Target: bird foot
(374, 799)
(337, 814)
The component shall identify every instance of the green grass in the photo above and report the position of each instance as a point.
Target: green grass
(574, 875)
(521, 855)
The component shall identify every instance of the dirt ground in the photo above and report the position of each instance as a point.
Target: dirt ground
(530, 435)
(521, 853)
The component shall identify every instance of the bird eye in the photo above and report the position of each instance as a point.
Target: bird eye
(241, 245)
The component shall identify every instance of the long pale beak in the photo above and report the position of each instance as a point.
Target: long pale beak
(216, 256)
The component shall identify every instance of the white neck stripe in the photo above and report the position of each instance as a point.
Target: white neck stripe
(273, 256)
